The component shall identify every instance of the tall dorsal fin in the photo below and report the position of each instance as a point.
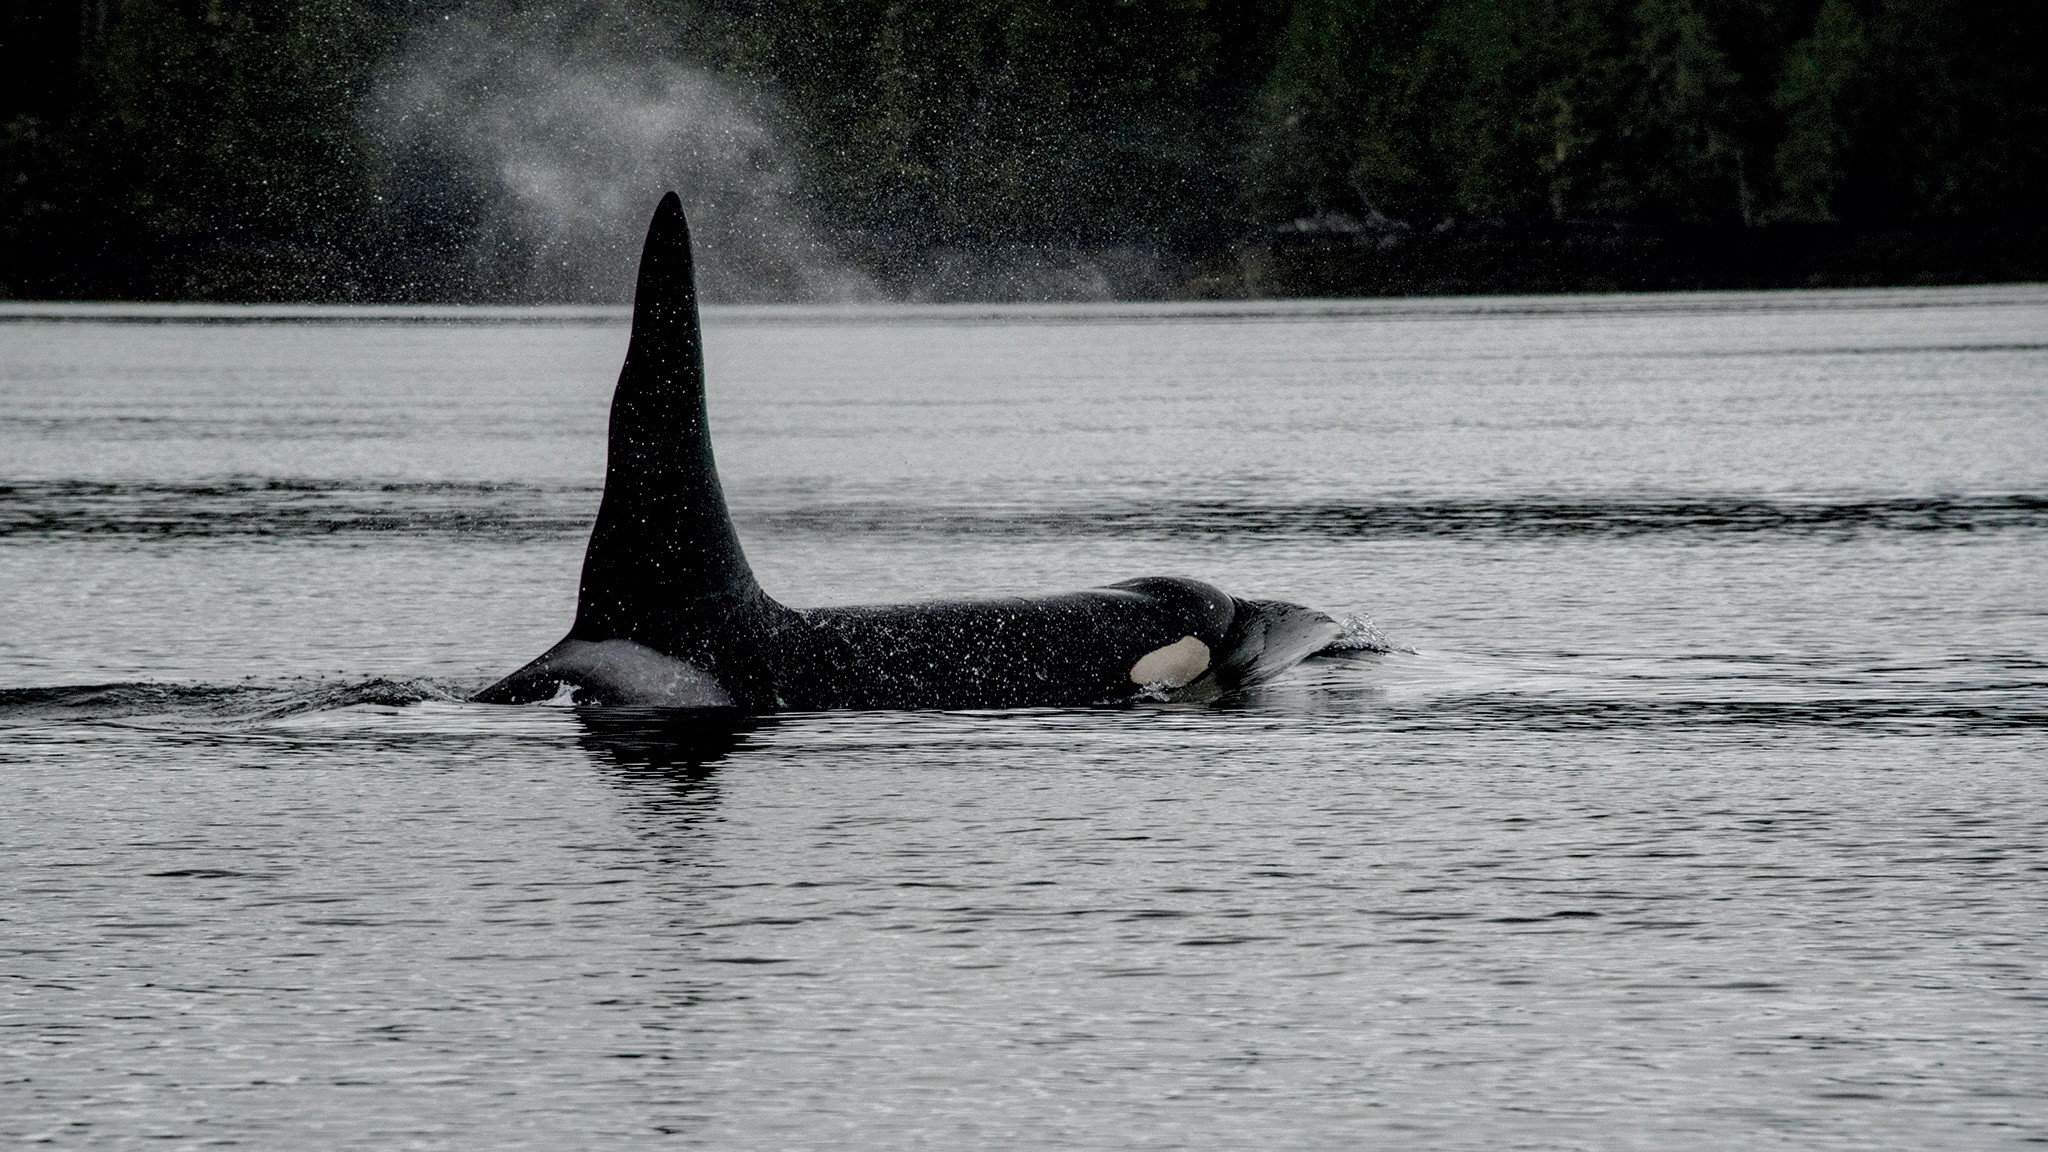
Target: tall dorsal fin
(664, 562)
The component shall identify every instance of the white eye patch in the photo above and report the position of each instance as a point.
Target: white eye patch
(1175, 665)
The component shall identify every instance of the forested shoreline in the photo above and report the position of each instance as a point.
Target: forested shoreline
(238, 149)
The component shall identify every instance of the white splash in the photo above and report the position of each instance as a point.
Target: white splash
(1360, 634)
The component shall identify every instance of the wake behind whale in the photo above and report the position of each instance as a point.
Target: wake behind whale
(669, 612)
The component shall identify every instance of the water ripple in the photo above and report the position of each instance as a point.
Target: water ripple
(299, 508)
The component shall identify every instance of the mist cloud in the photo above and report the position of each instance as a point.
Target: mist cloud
(556, 154)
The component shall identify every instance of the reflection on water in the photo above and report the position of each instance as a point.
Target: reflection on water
(681, 743)
(666, 759)
(1691, 795)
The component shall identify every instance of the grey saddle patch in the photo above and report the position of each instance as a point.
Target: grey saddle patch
(615, 673)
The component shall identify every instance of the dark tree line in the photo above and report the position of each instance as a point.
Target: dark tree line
(1666, 110)
(219, 147)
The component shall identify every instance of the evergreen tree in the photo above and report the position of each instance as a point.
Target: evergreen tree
(144, 138)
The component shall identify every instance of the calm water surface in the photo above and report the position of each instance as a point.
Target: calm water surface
(1708, 810)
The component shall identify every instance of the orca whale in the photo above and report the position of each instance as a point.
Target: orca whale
(669, 614)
